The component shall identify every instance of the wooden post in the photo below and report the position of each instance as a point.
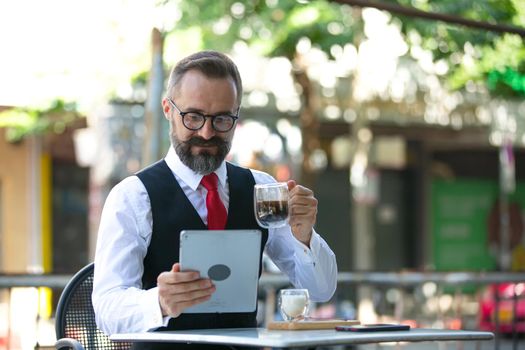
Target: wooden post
(153, 114)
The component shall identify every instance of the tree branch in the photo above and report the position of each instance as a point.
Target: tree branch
(412, 12)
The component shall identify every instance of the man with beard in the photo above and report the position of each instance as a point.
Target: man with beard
(138, 284)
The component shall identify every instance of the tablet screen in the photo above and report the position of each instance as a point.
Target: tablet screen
(231, 259)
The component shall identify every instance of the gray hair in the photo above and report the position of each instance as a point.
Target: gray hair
(212, 64)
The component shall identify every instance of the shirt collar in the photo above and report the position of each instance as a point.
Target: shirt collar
(188, 176)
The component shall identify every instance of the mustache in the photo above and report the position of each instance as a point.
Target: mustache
(199, 141)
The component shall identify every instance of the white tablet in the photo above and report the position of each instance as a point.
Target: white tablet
(231, 259)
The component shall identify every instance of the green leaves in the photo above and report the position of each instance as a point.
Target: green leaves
(21, 122)
(275, 27)
(474, 54)
(507, 79)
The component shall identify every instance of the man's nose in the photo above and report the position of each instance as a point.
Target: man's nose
(207, 131)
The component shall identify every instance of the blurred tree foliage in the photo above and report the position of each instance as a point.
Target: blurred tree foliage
(21, 122)
(274, 27)
(495, 59)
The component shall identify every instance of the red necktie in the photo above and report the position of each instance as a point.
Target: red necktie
(216, 211)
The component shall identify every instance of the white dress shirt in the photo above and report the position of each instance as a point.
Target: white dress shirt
(120, 303)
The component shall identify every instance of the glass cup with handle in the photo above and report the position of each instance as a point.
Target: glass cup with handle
(293, 304)
(271, 204)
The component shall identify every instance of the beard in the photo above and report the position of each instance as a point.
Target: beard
(203, 163)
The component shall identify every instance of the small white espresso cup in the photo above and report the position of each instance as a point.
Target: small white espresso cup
(293, 304)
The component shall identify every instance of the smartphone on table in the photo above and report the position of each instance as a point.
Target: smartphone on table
(378, 327)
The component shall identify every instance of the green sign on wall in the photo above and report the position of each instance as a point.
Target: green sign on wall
(459, 214)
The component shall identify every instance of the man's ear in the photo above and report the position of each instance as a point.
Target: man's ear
(166, 108)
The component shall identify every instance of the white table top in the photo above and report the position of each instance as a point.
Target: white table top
(262, 337)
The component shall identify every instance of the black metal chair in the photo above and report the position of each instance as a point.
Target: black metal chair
(75, 319)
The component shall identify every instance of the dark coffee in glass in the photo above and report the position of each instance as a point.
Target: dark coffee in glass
(271, 204)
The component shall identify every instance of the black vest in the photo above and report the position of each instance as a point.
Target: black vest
(172, 212)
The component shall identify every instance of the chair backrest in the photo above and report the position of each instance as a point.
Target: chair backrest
(75, 317)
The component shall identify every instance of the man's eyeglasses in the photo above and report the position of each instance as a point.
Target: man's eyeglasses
(195, 121)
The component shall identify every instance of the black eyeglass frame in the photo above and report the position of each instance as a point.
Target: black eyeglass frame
(204, 116)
